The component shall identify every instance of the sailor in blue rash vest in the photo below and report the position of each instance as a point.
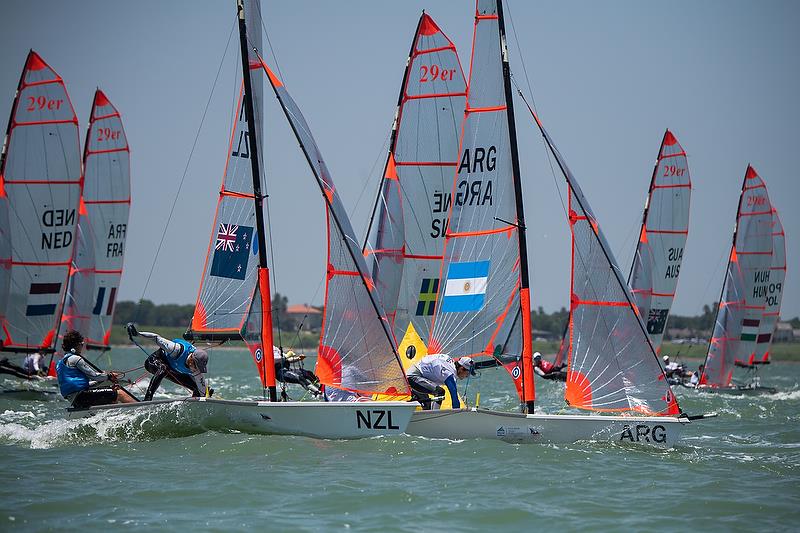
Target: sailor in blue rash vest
(177, 360)
(83, 384)
(427, 377)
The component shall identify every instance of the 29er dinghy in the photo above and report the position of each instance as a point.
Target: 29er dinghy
(748, 294)
(483, 302)
(357, 351)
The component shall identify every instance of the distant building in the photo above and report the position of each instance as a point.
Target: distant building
(309, 316)
(784, 332)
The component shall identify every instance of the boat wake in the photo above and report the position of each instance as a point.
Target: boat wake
(164, 421)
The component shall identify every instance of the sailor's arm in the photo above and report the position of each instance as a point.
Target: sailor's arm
(172, 349)
(450, 383)
(95, 376)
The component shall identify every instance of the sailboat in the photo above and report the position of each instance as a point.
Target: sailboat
(746, 293)
(102, 227)
(356, 351)
(483, 304)
(40, 189)
(656, 265)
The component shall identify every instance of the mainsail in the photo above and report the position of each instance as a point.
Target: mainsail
(774, 295)
(743, 300)
(483, 304)
(665, 226)
(40, 177)
(612, 365)
(407, 232)
(102, 226)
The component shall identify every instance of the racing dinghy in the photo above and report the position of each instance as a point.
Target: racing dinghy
(483, 304)
(750, 295)
(40, 190)
(357, 353)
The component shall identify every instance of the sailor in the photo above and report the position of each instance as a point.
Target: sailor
(428, 375)
(177, 360)
(698, 378)
(298, 375)
(30, 369)
(82, 383)
(543, 367)
(671, 369)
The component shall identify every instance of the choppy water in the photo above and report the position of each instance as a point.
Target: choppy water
(740, 471)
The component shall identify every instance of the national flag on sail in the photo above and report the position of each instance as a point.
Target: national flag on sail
(750, 329)
(100, 304)
(426, 304)
(43, 299)
(231, 251)
(656, 320)
(465, 289)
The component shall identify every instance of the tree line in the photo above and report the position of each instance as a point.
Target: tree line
(146, 312)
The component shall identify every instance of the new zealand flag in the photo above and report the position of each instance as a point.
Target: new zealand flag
(231, 251)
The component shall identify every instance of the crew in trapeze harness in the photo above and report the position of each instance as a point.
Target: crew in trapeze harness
(427, 378)
(677, 374)
(546, 369)
(82, 383)
(33, 367)
(177, 360)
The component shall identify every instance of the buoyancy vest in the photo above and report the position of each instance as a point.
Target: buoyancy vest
(178, 364)
(70, 379)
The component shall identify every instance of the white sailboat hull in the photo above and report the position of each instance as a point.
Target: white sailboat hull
(322, 420)
(458, 424)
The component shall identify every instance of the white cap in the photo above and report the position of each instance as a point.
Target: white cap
(537, 355)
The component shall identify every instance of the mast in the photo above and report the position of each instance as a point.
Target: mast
(524, 290)
(263, 270)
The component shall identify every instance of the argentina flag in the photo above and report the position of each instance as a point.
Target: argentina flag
(465, 289)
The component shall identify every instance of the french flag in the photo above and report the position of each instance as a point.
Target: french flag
(465, 289)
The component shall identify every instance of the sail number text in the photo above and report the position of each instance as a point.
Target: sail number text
(434, 72)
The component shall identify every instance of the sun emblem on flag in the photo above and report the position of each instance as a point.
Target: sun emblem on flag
(226, 237)
(467, 286)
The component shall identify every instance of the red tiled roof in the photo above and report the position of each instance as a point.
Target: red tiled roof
(302, 309)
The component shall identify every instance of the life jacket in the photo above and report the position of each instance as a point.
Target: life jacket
(703, 379)
(546, 366)
(70, 379)
(178, 364)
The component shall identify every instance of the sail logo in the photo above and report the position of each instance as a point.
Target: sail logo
(465, 289)
(40, 103)
(643, 432)
(43, 299)
(427, 297)
(756, 200)
(374, 419)
(231, 251)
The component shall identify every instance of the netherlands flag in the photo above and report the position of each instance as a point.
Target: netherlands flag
(465, 289)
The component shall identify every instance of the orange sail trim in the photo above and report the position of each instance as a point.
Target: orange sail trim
(267, 367)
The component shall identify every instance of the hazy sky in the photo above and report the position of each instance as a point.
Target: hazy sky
(607, 77)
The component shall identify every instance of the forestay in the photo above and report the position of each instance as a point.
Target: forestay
(356, 350)
(743, 300)
(40, 176)
(407, 233)
(102, 226)
(612, 365)
(774, 292)
(665, 226)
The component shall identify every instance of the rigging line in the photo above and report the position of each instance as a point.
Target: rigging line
(185, 171)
